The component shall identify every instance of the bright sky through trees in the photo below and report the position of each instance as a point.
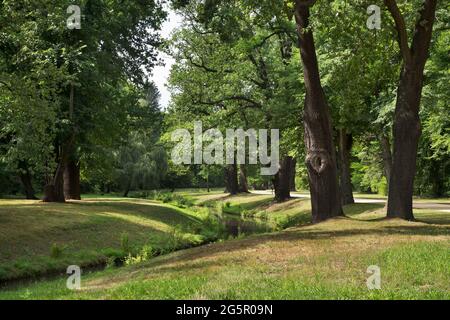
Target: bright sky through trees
(161, 73)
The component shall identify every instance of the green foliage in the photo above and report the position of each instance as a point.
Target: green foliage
(57, 251)
(125, 242)
(41, 59)
(144, 254)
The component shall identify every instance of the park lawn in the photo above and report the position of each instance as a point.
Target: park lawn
(322, 261)
(38, 238)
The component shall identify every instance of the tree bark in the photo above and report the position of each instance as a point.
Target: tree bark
(231, 179)
(293, 187)
(407, 126)
(345, 148)
(282, 180)
(54, 191)
(243, 183)
(387, 157)
(72, 190)
(321, 158)
(26, 179)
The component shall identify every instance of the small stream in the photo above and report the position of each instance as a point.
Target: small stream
(236, 226)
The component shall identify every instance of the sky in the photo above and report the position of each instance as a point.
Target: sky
(161, 73)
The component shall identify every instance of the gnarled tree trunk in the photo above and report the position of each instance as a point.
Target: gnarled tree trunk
(321, 158)
(407, 126)
(345, 148)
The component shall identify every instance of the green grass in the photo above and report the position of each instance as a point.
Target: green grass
(323, 261)
(38, 238)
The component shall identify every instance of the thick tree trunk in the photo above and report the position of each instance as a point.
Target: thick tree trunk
(345, 148)
(407, 126)
(282, 180)
(387, 157)
(321, 158)
(72, 190)
(25, 178)
(243, 184)
(293, 188)
(54, 191)
(231, 179)
(407, 131)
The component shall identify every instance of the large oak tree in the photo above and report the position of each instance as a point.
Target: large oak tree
(407, 126)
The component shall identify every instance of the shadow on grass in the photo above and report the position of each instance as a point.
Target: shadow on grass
(360, 208)
(302, 233)
(80, 226)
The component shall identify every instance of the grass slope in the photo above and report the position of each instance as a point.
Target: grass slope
(324, 261)
(39, 238)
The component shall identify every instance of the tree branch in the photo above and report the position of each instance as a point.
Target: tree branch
(204, 66)
(423, 31)
(400, 26)
(266, 38)
(251, 103)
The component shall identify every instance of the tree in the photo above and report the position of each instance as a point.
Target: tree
(321, 159)
(243, 183)
(407, 127)
(29, 88)
(282, 180)
(261, 93)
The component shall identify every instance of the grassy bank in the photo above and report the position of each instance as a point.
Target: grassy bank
(324, 261)
(38, 238)
(41, 238)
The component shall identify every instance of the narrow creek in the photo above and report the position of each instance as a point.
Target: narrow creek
(234, 226)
